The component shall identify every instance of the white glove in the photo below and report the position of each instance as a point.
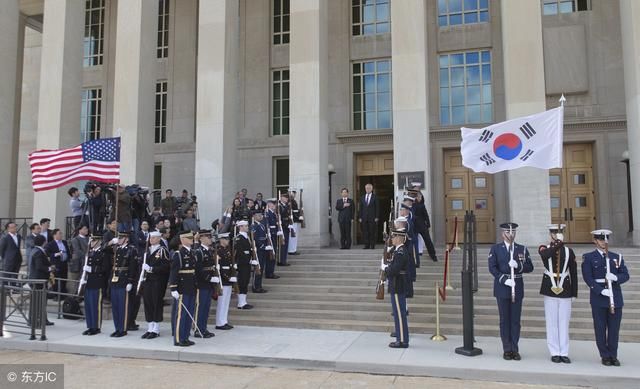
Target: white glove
(509, 283)
(233, 279)
(114, 241)
(383, 267)
(606, 292)
(52, 268)
(513, 264)
(301, 218)
(175, 294)
(254, 262)
(215, 280)
(268, 248)
(83, 282)
(129, 286)
(235, 266)
(611, 277)
(291, 227)
(280, 233)
(87, 268)
(146, 267)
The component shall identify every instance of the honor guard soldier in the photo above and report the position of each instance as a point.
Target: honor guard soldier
(242, 248)
(604, 271)
(122, 279)
(408, 202)
(507, 262)
(395, 272)
(422, 221)
(559, 287)
(405, 220)
(284, 211)
(271, 222)
(295, 223)
(263, 249)
(226, 276)
(182, 282)
(206, 277)
(97, 272)
(155, 284)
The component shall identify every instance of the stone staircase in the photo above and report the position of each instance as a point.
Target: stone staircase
(335, 289)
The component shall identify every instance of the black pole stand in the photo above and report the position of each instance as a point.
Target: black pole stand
(467, 287)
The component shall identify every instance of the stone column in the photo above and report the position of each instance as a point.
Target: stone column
(410, 93)
(11, 47)
(59, 99)
(134, 88)
(629, 19)
(524, 90)
(216, 106)
(308, 139)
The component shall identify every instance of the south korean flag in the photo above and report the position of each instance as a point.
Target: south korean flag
(534, 141)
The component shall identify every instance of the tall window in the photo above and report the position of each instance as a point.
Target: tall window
(93, 33)
(280, 22)
(280, 102)
(453, 12)
(281, 175)
(161, 112)
(553, 7)
(163, 29)
(369, 17)
(465, 88)
(90, 114)
(372, 95)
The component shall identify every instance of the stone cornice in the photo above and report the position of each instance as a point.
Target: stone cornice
(376, 136)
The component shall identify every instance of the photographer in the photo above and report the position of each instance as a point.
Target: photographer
(97, 206)
(139, 204)
(168, 204)
(124, 210)
(77, 206)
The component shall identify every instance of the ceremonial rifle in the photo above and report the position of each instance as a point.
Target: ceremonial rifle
(612, 305)
(254, 255)
(301, 212)
(280, 231)
(234, 271)
(143, 273)
(83, 277)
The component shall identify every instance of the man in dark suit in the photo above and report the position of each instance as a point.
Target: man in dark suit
(368, 217)
(40, 264)
(344, 206)
(10, 250)
(45, 223)
(29, 243)
(59, 255)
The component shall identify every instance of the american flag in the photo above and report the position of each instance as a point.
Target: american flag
(97, 160)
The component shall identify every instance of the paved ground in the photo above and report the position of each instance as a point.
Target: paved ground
(338, 351)
(101, 372)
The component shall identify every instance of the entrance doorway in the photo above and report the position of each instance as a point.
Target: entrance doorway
(467, 190)
(377, 170)
(572, 195)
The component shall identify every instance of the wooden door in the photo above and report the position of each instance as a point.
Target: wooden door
(467, 190)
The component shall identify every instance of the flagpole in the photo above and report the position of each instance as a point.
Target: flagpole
(562, 100)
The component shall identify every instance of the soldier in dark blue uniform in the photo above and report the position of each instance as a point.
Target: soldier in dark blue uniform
(604, 271)
(505, 259)
(155, 284)
(271, 222)
(122, 280)
(395, 272)
(225, 261)
(182, 282)
(285, 218)
(206, 277)
(404, 221)
(242, 249)
(97, 268)
(259, 232)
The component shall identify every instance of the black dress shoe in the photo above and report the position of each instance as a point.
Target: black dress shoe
(87, 331)
(228, 326)
(565, 359)
(285, 264)
(507, 356)
(555, 359)
(50, 323)
(516, 356)
(224, 327)
(393, 334)
(181, 344)
(94, 331)
(373, 247)
(208, 335)
(197, 334)
(190, 342)
(273, 277)
(153, 335)
(246, 306)
(365, 248)
(146, 335)
(398, 345)
(114, 333)
(133, 327)
(121, 334)
(606, 361)
(434, 259)
(615, 362)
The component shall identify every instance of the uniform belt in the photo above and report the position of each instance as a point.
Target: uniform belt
(403, 272)
(558, 275)
(208, 268)
(601, 280)
(121, 268)
(226, 267)
(186, 271)
(514, 276)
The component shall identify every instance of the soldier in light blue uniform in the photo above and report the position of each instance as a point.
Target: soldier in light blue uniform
(604, 280)
(508, 290)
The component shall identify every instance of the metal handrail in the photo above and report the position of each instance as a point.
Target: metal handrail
(35, 294)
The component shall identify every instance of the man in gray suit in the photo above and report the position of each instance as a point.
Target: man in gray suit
(79, 247)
